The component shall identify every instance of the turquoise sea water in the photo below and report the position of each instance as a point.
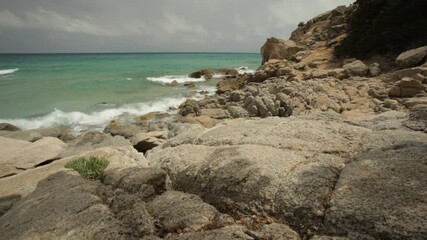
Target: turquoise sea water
(91, 89)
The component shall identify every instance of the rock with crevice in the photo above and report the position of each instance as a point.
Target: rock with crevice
(381, 194)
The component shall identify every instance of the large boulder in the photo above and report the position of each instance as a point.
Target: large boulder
(8, 127)
(63, 206)
(357, 68)
(283, 167)
(412, 58)
(183, 212)
(226, 85)
(382, 193)
(279, 49)
(25, 182)
(35, 154)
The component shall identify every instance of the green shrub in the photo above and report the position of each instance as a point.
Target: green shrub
(301, 24)
(90, 168)
(384, 27)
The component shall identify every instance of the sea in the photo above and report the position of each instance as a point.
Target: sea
(87, 91)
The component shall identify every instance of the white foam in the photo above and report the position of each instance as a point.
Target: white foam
(245, 70)
(129, 79)
(80, 121)
(8, 71)
(177, 78)
(218, 76)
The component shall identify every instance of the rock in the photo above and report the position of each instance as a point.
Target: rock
(7, 203)
(237, 112)
(190, 106)
(127, 130)
(206, 73)
(28, 135)
(412, 102)
(417, 118)
(35, 154)
(190, 85)
(412, 58)
(227, 166)
(174, 83)
(147, 141)
(62, 206)
(328, 238)
(8, 147)
(407, 87)
(381, 194)
(183, 212)
(205, 121)
(145, 183)
(25, 182)
(279, 49)
(409, 72)
(226, 85)
(215, 113)
(8, 127)
(234, 232)
(374, 69)
(278, 232)
(357, 68)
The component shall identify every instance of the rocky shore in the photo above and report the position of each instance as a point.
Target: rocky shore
(308, 147)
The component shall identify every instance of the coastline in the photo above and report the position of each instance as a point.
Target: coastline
(307, 147)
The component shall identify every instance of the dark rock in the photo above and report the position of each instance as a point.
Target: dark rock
(8, 127)
(7, 202)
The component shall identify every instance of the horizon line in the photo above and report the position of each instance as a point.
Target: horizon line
(162, 52)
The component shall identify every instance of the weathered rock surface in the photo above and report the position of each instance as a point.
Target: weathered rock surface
(63, 206)
(357, 68)
(34, 154)
(278, 49)
(26, 181)
(412, 58)
(382, 193)
(182, 212)
(30, 136)
(226, 166)
(8, 127)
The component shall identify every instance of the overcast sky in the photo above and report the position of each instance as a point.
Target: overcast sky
(150, 25)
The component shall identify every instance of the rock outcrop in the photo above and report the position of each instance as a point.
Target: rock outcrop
(278, 49)
(412, 58)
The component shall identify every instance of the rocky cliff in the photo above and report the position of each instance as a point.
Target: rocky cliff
(308, 147)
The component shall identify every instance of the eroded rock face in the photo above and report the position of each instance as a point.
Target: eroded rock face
(278, 49)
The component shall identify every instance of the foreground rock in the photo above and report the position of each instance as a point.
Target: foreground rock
(412, 58)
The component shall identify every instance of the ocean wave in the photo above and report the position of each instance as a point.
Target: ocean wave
(8, 71)
(243, 70)
(177, 78)
(80, 121)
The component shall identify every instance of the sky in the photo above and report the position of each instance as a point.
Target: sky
(63, 26)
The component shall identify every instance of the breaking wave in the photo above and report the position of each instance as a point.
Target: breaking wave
(80, 121)
(8, 71)
(177, 78)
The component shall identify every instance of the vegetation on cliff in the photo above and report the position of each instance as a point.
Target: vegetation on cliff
(384, 26)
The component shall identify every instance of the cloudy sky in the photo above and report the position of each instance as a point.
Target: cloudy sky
(30, 26)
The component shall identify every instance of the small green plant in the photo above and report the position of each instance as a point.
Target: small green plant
(301, 24)
(90, 168)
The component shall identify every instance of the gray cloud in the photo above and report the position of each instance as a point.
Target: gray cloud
(150, 25)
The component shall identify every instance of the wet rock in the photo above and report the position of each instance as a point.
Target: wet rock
(7, 203)
(226, 85)
(190, 85)
(8, 127)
